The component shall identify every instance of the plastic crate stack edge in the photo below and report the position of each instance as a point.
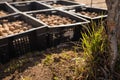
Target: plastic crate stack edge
(19, 44)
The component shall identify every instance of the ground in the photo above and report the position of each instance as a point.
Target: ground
(58, 63)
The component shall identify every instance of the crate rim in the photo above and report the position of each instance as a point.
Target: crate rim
(11, 7)
(33, 17)
(7, 4)
(62, 7)
(27, 2)
(22, 2)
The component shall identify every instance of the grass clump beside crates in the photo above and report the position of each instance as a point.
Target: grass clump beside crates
(95, 46)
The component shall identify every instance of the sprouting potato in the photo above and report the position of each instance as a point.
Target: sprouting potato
(53, 20)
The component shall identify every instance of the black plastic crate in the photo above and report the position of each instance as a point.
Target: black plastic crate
(4, 50)
(20, 0)
(28, 6)
(21, 43)
(6, 0)
(102, 13)
(6, 8)
(62, 33)
(63, 3)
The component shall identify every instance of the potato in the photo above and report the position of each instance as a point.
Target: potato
(25, 28)
(0, 33)
(21, 31)
(11, 28)
(17, 26)
(4, 34)
(3, 13)
(29, 27)
(57, 5)
(4, 21)
(16, 31)
(5, 31)
(1, 36)
(10, 33)
(6, 28)
(0, 26)
(19, 22)
(1, 29)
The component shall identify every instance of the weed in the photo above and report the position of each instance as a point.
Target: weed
(94, 44)
(48, 60)
(55, 78)
(25, 78)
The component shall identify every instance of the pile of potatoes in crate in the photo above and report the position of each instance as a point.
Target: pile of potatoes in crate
(3, 13)
(10, 28)
(57, 5)
(89, 14)
(53, 20)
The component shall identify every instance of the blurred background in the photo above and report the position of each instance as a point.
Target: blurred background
(93, 3)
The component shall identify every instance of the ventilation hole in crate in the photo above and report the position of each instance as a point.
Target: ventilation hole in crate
(53, 12)
(4, 55)
(21, 45)
(67, 34)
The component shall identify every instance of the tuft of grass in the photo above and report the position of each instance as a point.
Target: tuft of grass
(94, 45)
(25, 78)
(48, 60)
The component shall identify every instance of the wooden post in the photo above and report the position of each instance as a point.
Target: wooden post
(113, 28)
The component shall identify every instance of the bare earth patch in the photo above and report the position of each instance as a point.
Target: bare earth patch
(61, 63)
